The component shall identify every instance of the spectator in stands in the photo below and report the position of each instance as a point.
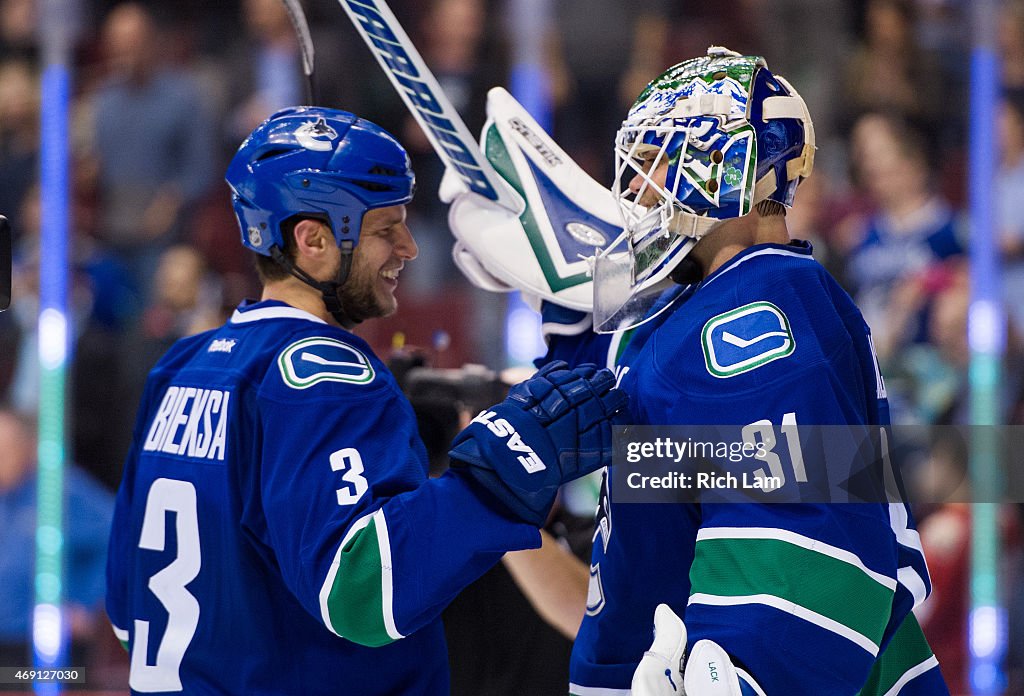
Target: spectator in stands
(153, 141)
(19, 136)
(1011, 44)
(928, 380)
(266, 67)
(945, 531)
(910, 230)
(610, 50)
(88, 514)
(185, 300)
(1009, 194)
(18, 31)
(263, 67)
(889, 69)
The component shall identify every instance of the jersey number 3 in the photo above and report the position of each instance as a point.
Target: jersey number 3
(168, 585)
(349, 461)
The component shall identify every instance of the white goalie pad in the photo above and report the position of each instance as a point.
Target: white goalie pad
(568, 216)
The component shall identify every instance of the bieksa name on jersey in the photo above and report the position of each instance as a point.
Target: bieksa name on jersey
(190, 422)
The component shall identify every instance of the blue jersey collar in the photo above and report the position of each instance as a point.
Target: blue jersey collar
(796, 248)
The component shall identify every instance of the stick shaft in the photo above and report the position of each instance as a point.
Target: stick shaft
(298, 18)
(419, 89)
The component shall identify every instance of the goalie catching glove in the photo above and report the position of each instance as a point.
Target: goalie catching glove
(666, 669)
(552, 428)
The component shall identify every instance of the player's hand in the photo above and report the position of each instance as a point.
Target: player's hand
(666, 670)
(552, 428)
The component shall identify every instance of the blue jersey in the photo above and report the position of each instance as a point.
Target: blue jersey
(275, 531)
(805, 597)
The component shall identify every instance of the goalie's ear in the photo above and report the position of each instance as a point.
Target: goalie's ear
(569, 216)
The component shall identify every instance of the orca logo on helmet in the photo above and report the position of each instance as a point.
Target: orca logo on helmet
(316, 135)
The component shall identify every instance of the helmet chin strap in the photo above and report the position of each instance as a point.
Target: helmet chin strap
(330, 290)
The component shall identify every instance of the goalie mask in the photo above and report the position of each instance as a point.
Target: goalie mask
(708, 140)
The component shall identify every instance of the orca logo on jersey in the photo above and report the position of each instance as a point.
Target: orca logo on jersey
(320, 359)
(746, 338)
(190, 422)
(502, 428)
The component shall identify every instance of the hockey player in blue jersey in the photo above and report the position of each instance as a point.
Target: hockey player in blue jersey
(275, 531)
(764, 599)
(714, 317)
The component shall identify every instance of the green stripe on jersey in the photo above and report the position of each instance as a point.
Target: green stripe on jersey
(356, 602)
(907, 649)
(830, 587)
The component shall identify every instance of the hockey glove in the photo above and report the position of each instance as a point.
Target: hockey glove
(666, 670)
(552, 428)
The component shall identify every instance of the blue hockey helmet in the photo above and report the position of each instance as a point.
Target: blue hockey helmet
(319, 162)
(732, 135)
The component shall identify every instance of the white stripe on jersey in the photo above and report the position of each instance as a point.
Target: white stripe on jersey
(909, 578)
(387, 586)
(554, 328)
(240, 317)
(790, 608)
(912, 673)
(613, 349)
(899, 520)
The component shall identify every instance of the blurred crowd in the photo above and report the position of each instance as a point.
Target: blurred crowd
(163, 93)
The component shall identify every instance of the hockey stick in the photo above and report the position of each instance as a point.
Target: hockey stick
(427, 102)
(298, 18)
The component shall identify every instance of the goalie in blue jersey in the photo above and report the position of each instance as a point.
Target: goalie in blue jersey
(714, 317)
(759, 599)
(275, 531)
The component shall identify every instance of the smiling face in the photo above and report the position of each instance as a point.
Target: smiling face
(385, 244)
